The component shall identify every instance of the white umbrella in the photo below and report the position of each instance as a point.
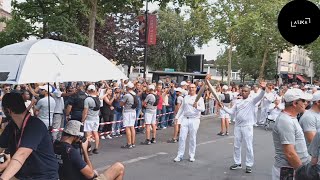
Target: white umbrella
(48, 60)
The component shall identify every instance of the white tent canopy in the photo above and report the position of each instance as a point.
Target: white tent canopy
(54, 61)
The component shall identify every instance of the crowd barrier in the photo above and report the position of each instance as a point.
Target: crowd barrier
(120, 121)
(123, 129)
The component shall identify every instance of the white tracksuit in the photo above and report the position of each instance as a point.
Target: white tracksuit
(243, 130)
(265, 103)
(189, 118)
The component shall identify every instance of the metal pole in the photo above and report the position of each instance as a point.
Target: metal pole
(146, 43)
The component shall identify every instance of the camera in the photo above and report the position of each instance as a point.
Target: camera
(83, 139)
(2, 158)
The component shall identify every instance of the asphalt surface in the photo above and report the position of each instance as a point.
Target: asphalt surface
(214, 156)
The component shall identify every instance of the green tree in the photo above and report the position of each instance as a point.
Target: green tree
(249, 26)
(177, 37)
(262, 38)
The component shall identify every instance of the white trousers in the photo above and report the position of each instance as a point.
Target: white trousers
(263, 115)
(243, 133)
(190, 126)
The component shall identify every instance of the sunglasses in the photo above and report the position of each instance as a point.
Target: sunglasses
(7, 89)
(302, 100)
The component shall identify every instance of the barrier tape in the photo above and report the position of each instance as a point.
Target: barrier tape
(123, 129)
(114, 122)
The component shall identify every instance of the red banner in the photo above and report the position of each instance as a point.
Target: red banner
(152, 29)
(142, 29)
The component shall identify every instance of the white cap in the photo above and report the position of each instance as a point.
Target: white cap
(151, 87)
(295, 94)
(316, 96)
(179, 89)
(45, 87)
(91, 87)
(225, 87)
(183, 83)
(130, 85)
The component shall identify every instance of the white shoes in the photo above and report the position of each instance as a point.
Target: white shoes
(177, 159)
(108, 137)
(102, 137)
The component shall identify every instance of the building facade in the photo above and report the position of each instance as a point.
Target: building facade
(3, 14)
(216, 75)
(295, 65)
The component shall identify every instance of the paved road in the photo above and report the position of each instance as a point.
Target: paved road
(213, 156)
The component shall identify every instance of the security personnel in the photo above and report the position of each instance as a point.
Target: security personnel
(243, 130)
(189, 118)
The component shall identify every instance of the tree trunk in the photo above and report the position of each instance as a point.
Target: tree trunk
(45, 30)
(129, 68)
(92, 23)
(229, 61)
(222, 75)
(264, 62)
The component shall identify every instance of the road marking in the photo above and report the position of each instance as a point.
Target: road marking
(213, 141)
(143, 158)
(135, 160)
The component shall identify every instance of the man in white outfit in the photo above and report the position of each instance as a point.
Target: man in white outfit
(189, 118)
(268, 98)
(243, 130)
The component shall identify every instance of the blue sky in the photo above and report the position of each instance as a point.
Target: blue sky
(209, 50)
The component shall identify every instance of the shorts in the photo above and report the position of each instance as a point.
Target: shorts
(150, 118)
(0, 113)
(100, 177)
(224, 114)
(91, 125)
(129, 119)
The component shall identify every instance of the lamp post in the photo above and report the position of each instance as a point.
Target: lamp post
(146, 43)
(277, 76)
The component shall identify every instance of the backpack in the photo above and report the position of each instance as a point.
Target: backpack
(135, 101)
(227, 98)
(156, 102)
(98, 103)
(63, 156)
(79, 101)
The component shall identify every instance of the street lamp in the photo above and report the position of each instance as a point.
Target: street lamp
(146, 43)
(277, 76)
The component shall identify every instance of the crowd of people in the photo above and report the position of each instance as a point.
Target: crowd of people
(87, 112)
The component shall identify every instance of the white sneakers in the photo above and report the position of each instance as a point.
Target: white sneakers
(178, 159)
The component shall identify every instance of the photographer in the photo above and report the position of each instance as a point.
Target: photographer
(29, 143)
(74, 167)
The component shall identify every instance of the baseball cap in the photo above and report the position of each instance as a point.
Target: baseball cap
(225, 87)
(179, 89)
(151, 87)
(316, 96)
(45, 87)
(91, 87)
(183, 83)
(74, 128)
(130, 85)
(295, 94)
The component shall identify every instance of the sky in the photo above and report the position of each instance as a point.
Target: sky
(209, 50)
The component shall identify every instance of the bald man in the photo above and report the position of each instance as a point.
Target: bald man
(244, 109)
